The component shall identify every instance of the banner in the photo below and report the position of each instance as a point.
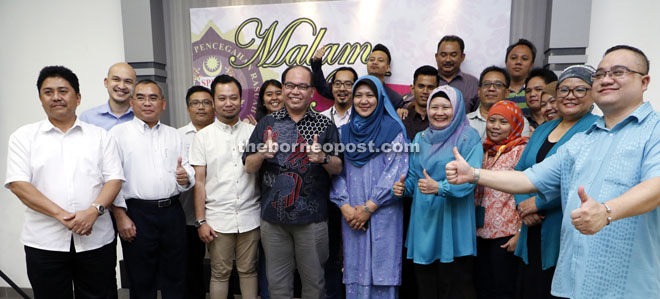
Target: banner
(255, 43)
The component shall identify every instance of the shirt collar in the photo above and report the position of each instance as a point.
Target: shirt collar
(142, 126)
(226, 127)
(105, 109)
(189, 128)
(333, 111)
(637, 116)
(459, 75)
(476, 114)
(284, 113)
(48, 126)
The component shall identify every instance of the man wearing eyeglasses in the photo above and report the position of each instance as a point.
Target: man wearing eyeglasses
(153, 227)
(296, 156)
(200, 110)
(493, 87)
(608, 179)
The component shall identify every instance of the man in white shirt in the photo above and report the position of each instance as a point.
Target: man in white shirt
(199, 101)
(66, 172)
(153, 228)
(493, 87)
(226, 197)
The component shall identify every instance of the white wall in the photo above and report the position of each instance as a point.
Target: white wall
(85, 36)
(634, 23)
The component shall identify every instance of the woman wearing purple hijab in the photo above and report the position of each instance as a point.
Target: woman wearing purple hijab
(442, 231)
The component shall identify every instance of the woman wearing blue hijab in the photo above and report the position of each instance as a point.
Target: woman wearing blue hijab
(372, 229)
(442, 231)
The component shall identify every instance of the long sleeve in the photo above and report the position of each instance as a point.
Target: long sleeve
(318, 79)
(339, 191)
(475, 158)
(396, 164)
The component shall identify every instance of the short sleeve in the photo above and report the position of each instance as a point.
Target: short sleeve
(651, 159)
(112, 167)
(546, 176)
(197, 154)
(18, 159)
(256, 138)
(332, 137)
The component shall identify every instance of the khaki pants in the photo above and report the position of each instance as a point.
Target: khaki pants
(242, 247)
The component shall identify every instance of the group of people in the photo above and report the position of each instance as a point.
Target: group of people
(506, 185)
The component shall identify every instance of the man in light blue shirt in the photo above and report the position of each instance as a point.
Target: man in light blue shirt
(610, 245)
(120, 83)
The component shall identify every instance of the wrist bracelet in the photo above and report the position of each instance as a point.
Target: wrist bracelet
(475, 180)
(367, 209)
(609, 213)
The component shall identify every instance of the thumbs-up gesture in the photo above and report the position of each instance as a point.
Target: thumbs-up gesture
(318, 55)
(269, 149)
(181, 174)
(399, 186)
(459, 171)
(591, 216)
(428, 185)
(314, 152)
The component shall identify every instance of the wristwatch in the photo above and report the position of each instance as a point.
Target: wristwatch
(99, 208)
(199, 223)
(326, 160)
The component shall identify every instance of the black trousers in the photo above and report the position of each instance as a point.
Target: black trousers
(56, 274)
(195, 265)
(497, 269)
(333, 267)
(446, 280)
(158, 250)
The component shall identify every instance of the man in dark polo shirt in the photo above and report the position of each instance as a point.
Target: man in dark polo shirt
(449, 56)
(291, 149)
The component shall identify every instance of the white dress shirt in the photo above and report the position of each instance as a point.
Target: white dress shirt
(149, 157)
(187, 198)
(232, 195)
(69, 169)
(339, 121)
(478, 122)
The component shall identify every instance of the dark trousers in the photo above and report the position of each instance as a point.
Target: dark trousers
(408, 288)
(446, 280)
(497, 269)
(195, 264)
(533, 281)
(334, 289)
(159, 248)
(261, 273)
(51, 273)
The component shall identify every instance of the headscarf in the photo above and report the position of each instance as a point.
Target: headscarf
(579, 71)
(444, 139)
(382, 126)
(515, 117)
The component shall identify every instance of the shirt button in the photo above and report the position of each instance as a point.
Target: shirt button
(443, 194)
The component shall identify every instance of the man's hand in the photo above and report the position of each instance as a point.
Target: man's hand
(181, 174)
(428, 185)
(314, 152)
(206, 233)
(269, 149)
(125, 226)
(318, 55)
(83, 222)
(402, 112)
(591, 216)
(528, 206)
(66, 218)
(251, 120)
(510, 245)
(533, 219)
(459, 171)
(400, 186)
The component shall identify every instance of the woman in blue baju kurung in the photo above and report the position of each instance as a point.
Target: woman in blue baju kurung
(372, 229)
(538, 244)
(441, 237)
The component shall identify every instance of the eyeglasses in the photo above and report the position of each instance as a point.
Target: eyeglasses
(617, 71)
(292, 86)
(488, 84)
(339, 84)
(196, 103)
(151, 99)
(578, 92)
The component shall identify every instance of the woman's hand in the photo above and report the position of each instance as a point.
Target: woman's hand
(400, 186)
(510, 245)
(428, 185)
